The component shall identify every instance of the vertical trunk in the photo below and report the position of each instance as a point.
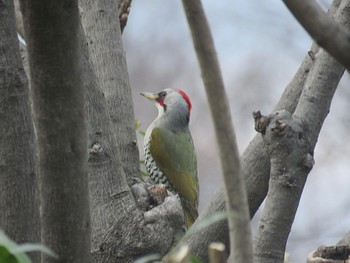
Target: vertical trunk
(52, 29)
(102, 28)
(120, 232)
(19, 216)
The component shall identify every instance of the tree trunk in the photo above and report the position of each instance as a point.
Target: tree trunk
(19, 206)
(51, 30)
(113, 154)
(102, 29)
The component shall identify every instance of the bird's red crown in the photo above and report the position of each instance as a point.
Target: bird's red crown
(186, 98)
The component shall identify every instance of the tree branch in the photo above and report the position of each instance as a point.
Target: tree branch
(286, 142)
(332, 36)
(255, 161)
(288, 174)
(236, 198)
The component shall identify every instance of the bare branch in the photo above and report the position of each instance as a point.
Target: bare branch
(289, 173)
(330, 35)
(286, 142)
(255, 160)
(236, 199)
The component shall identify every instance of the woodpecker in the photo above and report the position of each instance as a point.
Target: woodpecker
(170, 157)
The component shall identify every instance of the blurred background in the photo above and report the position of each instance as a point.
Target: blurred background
(260, 46)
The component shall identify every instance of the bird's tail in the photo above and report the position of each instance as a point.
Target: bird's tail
(190, 212)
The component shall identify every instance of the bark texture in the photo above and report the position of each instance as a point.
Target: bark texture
(289, 173)
(122, 229)
(19, 206)
(51, 30)
(286, 142)
(101, 24)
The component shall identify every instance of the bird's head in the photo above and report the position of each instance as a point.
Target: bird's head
(173, 104)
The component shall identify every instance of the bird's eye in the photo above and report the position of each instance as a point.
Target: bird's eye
(162, 94)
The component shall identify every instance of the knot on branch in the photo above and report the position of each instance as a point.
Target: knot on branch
(284, 137)
(260, 122)
(278, 127)
(330, 254)
(157, 202)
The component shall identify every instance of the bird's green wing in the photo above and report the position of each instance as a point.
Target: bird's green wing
(175, 155)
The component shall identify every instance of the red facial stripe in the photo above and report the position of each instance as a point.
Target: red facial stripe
(161, 102)
(187, 99)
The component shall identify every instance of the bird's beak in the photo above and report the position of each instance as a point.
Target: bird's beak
(149, 95)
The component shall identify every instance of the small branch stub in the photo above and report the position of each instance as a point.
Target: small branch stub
(260, 121)
(158, 193)
(332, 254)
(123, 12)
(182, 256)
(216, 252)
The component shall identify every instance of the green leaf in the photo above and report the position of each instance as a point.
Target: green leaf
(5, 256)
(10, 252)
(24, 248)
(195, 259)
(206, 222)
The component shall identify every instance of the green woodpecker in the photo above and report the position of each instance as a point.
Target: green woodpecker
(170, 158)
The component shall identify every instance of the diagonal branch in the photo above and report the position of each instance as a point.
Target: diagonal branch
(255, 161)
(329, 34)
(290, 165)
(236, 198)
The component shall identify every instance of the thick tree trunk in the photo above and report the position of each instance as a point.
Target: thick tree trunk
(113, 156)
(58, 101)
(19, 206)
(102, 29)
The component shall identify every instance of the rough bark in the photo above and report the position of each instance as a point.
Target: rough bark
(291, 160)
(101, 24)
(58, 95)
(19, 216)
(289, 173)
(122, 229)
(236, 198)
(255, 162)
